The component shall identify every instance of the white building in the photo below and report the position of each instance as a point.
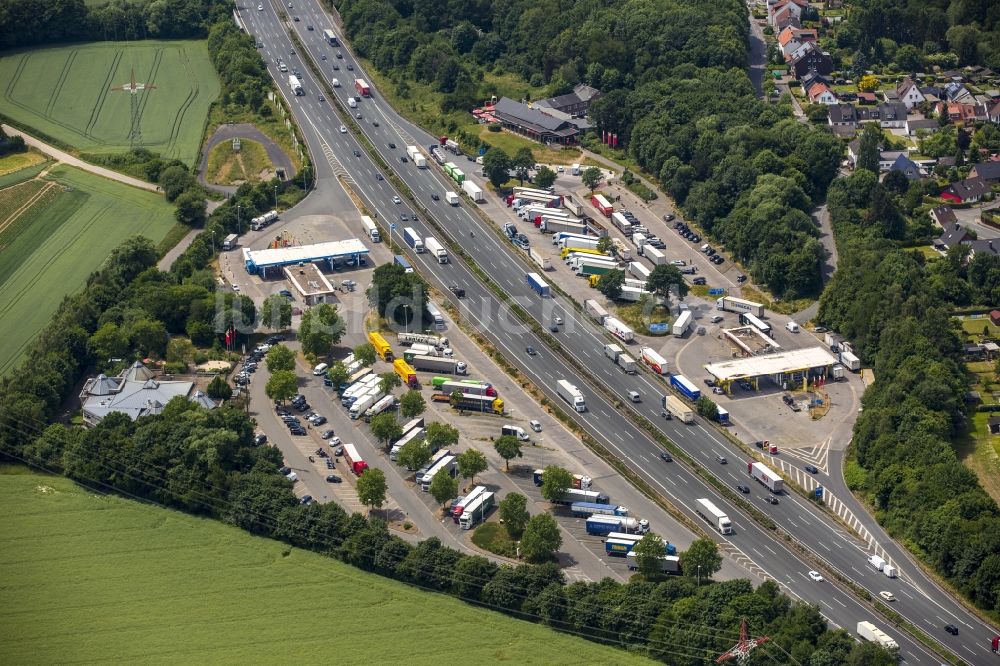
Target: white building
(135, 392)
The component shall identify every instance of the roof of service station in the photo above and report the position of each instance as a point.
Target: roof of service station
(771, 364)
(284, 256)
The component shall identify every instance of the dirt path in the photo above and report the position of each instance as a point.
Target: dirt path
(66, 158)
(243, 131)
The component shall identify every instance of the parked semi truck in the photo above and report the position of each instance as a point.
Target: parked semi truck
(543, 262)
(682, 324)
(587, 509)
(413, 240)
(670, 564)
(383, 405)
(476, 511)
(596, 312)
(406, 372)
(676, 407)
(474, 191)
(354, 459)
(870, 632)
(602, 204)
(653, 360)
(603, 525)
(436, 249)
(580, 481)
(382, 348)
(766, 476)
(458, 506)
(739, 306)
(619, 329)
(439, 364)
(536, 282)
(685, 386)
(572, 395)
(422, 338)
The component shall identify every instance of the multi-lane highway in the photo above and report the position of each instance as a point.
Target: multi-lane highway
(919, 600)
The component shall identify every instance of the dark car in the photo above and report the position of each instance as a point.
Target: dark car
(458, 291)
(770, 500)
(554, 328)
(260, 439)
(291, 51)
(309, 27)
(333, 478)
(951, 629)
(357, 153)
(709, 381)
(668, 217)
(303, 407)
(379, 176)
(327, 434)
(812, 469)
(403, 217)
(298, 432)
(350, 67)
(319, 420)
(392, 146)
(700, 281)
(306, 499)
(665, 457)
(329, 464)
(743, 489)
(295, 18)
(530, 351)
(285, 471)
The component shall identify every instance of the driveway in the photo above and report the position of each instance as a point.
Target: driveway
(243, 131)
(66, 158)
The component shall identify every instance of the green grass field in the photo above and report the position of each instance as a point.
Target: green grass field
(49, 251)
(67, 93)
(100, 579)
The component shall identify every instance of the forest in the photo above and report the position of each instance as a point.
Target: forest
(674, 90)
(895, 306)
(914, 34)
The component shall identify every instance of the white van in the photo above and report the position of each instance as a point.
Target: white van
(515, 431)
(792, 327)
(320, 369)
(336, 83)
(351, 103)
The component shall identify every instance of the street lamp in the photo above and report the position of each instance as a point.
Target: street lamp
(276, 196)
(699, 575)
(213, 241)
(406, 319)
(239, 222)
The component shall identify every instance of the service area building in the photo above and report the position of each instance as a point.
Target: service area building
(310, 283)
(350, 252)
(786, 369)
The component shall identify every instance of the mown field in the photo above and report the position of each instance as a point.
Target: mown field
(49, 250)
(107, 580)
(66, 93)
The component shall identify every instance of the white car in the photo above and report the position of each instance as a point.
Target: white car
(888, 596)
(333, 441)
(260, 8)
(343, 130)
(557, 319)
(397, 200)
(716, 319)
(678, 262)
(816, 576)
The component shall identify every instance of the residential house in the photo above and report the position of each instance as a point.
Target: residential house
(944, 216)
(575, 103)
(821, 94)
(812, 59)
(995, 317)
(957, 92)
(970, 190)
(907, 167)
(909, 94)
(925, 125)
(793, 50)
(988, 246)
(135, 392)
(993, 114)
(993, 423)
(867, 98)
(810, 79)
(892, 115)
(792, 8)
(953, 235)
(853, 150)
(785, 18)
(534, 123)
(988, 171)
(843, 115)
(973, 351)
(887, 158)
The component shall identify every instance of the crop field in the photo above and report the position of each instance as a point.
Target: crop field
(90, 578)
(48, 251)
(67, 93)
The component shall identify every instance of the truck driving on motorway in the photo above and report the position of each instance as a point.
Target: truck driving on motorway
(536, 282)
(713, 516)
(412, 239)
(676, 408)
(370, 229)
(572, 395)
(870, 632)
(436, 249)
(766, 476)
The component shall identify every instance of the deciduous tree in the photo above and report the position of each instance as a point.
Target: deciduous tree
(443, 486)
(591, 177)
(470, 463)
(513, 510)
(610, 284)
(280, 357)
(371, 488)
(321, 328)
(385, 427)
(282, 385)
(648, 555)
(541, 538)
(555, 482)
(276, 312)
(701, 559)
(507, 447)
(412, 404)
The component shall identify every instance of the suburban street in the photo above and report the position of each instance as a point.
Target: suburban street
(752, 546)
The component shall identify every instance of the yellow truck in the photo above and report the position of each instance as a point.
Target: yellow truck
(382, 347)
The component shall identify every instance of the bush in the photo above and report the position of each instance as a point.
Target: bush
(175, 367)
(494, 127)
